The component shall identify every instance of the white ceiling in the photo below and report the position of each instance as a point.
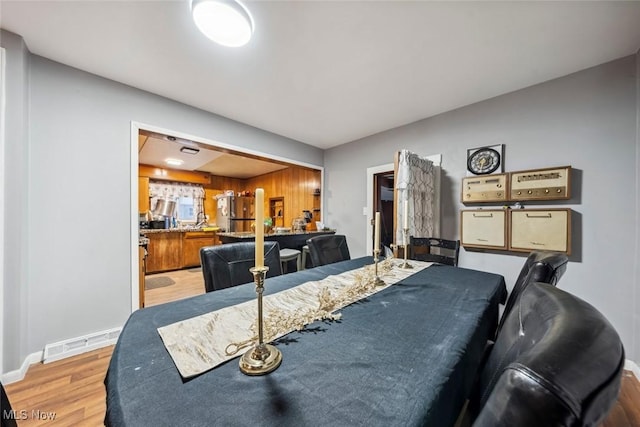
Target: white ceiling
(155, 149)
(329, 72)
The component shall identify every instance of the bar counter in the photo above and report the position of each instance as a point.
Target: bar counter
(289, 240)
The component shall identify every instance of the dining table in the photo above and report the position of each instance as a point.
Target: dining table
(404, 356)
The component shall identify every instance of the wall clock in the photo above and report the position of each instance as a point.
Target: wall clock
(485, 160)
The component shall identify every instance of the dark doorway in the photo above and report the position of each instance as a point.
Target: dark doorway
(383, 203)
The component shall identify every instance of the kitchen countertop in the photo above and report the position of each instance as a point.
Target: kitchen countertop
(251, 235)
(178, 230)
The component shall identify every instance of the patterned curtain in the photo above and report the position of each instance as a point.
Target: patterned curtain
(415, 182)
(174, 190)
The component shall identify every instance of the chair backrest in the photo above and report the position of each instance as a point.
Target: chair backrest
(8, 417)
(449, 254)
(327, 249)
(556, 362)
(547, 267)
(228, 264)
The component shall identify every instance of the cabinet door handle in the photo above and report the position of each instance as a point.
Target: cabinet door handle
(539, 216)
(482, 216)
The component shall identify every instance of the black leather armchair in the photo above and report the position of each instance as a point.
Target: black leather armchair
(556, 362)
(227, 265)
(8, 417)
(328, 249)
(547, 267)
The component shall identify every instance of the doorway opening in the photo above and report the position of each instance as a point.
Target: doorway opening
(387, 171)
(245, 160)
(383, 184)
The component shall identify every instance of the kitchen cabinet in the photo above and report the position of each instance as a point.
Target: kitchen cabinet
(191, 244)
(143, 194)
(141, 272)
(165, 252)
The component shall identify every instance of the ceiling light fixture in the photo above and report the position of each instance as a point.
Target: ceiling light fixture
(173, 162)
(226, 22)
(189, 150)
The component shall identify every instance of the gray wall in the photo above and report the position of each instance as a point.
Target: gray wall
(77, 183)
(586, 120)
(14, 305)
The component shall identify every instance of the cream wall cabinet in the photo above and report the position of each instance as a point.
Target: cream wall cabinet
(484, 228)
(540, 229)
(520, 230)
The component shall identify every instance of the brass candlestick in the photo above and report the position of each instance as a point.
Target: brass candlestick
(377, 281)
(261, 358)
(405, 264)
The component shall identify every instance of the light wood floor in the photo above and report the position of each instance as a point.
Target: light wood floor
(73, 388)
(187, 283)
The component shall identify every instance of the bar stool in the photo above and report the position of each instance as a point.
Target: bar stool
(287, 255)
(305, 251)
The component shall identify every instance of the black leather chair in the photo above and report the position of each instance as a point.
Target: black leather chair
(328, 249)
(8, 417)
(547, 267)
(556, 362)
(227, 265)
(450, 249)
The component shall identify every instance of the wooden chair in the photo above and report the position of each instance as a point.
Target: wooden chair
(227, 265)
(420, 250)
(328, 249)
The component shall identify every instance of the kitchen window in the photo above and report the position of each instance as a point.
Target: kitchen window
(188, 198)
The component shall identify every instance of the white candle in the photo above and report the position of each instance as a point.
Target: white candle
(405, 222)
(259, 227)
(376, 232)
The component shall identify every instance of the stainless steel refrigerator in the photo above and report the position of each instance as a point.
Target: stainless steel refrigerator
(234, 213)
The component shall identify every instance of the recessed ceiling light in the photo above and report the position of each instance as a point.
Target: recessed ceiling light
(189, 150)
(173, 162)
(226, 22)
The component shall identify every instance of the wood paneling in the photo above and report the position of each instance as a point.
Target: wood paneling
(296, 185)
(173, 175)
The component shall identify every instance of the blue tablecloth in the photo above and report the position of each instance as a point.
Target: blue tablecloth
(404, 356)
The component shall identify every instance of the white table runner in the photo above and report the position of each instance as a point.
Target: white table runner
(201, 343)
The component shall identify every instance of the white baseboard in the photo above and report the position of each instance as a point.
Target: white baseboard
(630, 365)
(63, 349)
(18, 374)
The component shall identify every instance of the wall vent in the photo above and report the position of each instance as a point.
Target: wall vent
(71, 347)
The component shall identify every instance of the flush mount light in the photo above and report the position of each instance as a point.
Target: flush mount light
(189, 150)
(173, 162)
(226, 22)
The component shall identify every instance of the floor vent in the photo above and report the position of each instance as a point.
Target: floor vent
(71, 347)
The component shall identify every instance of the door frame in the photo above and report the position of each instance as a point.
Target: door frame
(436, 159)
(136, 127)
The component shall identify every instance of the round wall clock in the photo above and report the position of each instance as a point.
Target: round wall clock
(483, 161)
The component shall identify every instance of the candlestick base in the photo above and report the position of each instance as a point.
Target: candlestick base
(377, 281)
(260, 360)
(406, 265)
